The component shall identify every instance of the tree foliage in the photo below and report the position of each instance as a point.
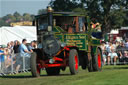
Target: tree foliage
(41, 11)
(2, 22)
(16, 17)
(64, 5)
(27, 17)
(112, 14)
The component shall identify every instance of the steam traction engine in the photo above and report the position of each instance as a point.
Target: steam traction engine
(63, 45)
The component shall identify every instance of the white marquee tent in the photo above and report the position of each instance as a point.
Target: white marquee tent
(116, 31)
(8, 34)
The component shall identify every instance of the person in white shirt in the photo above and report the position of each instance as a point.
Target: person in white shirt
(112, 55)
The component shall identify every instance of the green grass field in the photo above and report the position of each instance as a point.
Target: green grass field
(110, 75)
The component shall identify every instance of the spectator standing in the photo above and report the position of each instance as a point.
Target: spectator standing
(35, 44)
(103, 47)
(23, 50)
(16, 46)
(10, 48)
(126, 44)
(31, 46)
(40, 46)
(12, 44)
(107, 47)
(1, 60)
(1, 50)
(8, 59)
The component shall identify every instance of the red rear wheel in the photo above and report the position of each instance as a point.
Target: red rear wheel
(97, 61)
(76, 62)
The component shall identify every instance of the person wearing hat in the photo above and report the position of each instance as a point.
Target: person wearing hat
(96, 30)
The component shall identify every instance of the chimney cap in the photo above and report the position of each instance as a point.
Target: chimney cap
(49, 9)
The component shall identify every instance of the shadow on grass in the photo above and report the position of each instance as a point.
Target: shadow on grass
(23, 76)
(116, 67)
(16, 77)
(120, 67)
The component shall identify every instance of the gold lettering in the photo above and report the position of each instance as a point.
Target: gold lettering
(76, 40)
(71, 37)
(82, 37)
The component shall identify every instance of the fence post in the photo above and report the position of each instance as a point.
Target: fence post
(0, 66)
(12, 63)
(23, 62)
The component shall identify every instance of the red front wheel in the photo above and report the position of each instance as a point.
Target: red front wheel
(73, 61)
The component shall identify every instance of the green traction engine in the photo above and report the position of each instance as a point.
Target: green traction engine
(65, 40)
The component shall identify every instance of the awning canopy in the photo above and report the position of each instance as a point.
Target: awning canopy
(8, 34)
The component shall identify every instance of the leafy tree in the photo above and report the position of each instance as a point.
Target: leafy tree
(80, 10)
(64, 5)
(110, 13)
(3, 23)
(41, 11)
(32, 16)
(11, 17)
(27, 17)
(126, 18)
(17, 16)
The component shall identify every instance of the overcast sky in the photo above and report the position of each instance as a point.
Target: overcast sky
(22, 6)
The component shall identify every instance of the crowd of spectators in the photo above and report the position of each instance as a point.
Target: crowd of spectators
(8, 53)
(114, 53)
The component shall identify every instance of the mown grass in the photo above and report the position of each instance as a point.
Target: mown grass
(110, 75)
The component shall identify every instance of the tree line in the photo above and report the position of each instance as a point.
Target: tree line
(16, 17)
(112, 14)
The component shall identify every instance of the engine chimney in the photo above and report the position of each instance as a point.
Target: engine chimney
(50, 16)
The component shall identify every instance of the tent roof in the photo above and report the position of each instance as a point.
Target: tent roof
(124, 28)
(8, 34)
(114, 31)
